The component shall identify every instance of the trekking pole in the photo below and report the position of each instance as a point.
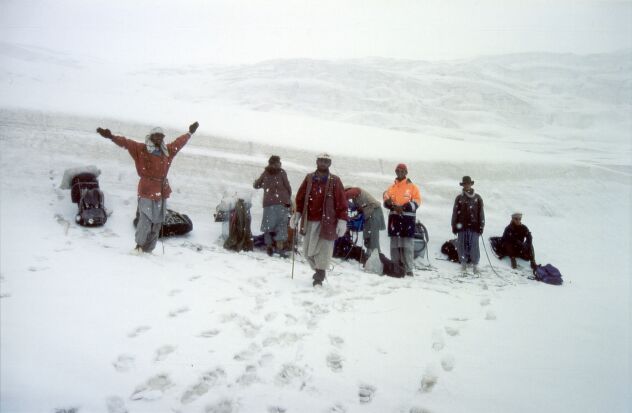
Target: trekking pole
(162, 212)
(293, 249)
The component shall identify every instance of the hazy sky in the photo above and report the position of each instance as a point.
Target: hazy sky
(238, 31)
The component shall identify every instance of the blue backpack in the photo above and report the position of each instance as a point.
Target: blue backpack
(548, 274)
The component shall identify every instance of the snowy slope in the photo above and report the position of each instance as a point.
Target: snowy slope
(85, 325)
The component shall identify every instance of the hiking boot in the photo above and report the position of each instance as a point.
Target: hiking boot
(534, 266)
(282, 253)
(476, 270)
(269, 250)
(514, 265)
(464, 268)
(317, 283)
(409, 273)
(138, 250)
(319, 277)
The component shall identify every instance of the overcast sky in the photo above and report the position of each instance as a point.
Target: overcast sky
(240, 31)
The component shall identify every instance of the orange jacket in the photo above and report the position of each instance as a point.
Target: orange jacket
(403, 192)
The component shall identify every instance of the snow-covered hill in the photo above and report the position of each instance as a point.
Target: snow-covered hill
(89, 327)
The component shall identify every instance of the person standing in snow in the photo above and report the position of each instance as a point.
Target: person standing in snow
(373, 216)
(517, 242)
(468, 222)
(277, 197)
(402, 199)
(153, 159)
(321, 216)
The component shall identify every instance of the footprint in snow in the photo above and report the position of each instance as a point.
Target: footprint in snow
(209, 333)
(451, 331)
(438, 343)
(247, 354)
(277, 409)
(291, 373)
(178, 311)
(67, 410)
(336, 341)
(265, 359)
(270, 317)
(366, 392)
(204, 384)
(174, 292)
(485, 302)
(283, 339)
(153, 388)
(447, 362)
(428, 381)
(116, 404)
(195, 277)
(163, 352)
(290, 320)
(124, 363)
(138, 330)
(334, 362)
(249, 377)
(490, 315)
(416, 409)
(337, 408)
(222, 406)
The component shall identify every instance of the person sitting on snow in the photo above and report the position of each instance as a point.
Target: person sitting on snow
(277, 195)
(321, 216)
(402, 199)
(373, 216)
(153, 159)
(517, 242)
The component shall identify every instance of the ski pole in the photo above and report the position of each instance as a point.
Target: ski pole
(293, 249)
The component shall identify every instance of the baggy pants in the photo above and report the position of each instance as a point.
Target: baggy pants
(467, 246)
(151, 215)
(403, 251)
(317, 251)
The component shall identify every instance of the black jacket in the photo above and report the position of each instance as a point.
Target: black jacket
(517, 235)
(468, 213)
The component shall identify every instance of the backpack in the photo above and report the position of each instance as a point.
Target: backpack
(239, 234)
(391, 268)
(449, 249)
(85, 192)
(175, 223)
(346, 248)
(548, 274)
(497, 246)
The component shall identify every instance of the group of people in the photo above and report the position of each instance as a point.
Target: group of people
(321, 208)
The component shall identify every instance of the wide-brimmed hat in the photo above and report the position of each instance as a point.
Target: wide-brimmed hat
(466, 180)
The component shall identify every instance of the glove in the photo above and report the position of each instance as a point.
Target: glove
(193, 128)
(105, 133)
(454, 230)
(341, 228)
(296, 218)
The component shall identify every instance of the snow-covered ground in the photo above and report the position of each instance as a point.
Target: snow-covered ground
(85, 325)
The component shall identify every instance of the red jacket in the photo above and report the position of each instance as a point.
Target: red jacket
(152, 169)
(326, 202)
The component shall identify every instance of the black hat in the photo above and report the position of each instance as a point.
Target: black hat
(466, 180)
(274, 159)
